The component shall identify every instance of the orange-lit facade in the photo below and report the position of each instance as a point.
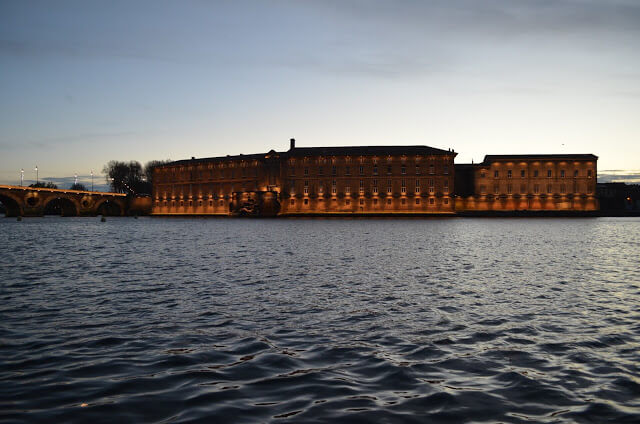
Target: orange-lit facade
(528, 183)
(373, 180)
(310, 181)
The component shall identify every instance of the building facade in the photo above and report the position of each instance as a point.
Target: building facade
(308, 181)
(372, 180)
(528, 183)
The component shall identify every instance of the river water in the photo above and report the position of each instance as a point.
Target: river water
(318, 320)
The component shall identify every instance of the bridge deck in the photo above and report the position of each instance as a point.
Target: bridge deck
(57, 190)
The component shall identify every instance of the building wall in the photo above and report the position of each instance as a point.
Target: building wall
(309, 185)
(368, 184)
(530, 184)
(205, 187)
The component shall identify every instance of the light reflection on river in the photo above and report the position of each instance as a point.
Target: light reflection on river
(303, 320)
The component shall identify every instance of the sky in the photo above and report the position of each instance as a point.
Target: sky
(85, 82)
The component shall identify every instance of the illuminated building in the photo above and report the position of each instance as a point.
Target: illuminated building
(528, 183)
(372, 180)
(310, 180)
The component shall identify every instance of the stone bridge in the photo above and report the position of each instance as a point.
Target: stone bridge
(31, 201)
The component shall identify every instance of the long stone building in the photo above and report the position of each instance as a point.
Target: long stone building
(372, 180)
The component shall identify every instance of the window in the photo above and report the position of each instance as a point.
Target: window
(362, 170)
(221, 203)
(389, 169)
(347, 202)
(292, 184)
(417, 200)
(523, 188)
(417, 186)
(375, 186)
(445, 170)
(333, 170)
(483, 175)
(320, 171)
(347, 170)
(563, 189)
(496, 189)
(292, 202)
(388, 201)
(446, 200)
(320, 189)
(210, 203)
(404, 201)
(375, 170)
(431, 186)
(496, 174)
(536, 188)
(404, 186)
(549, 188)
(417, 169)
(432, 169)
(562, 173)
(522, 173)
(347, 189)
(535, 173)
(306, 171)
(446, 185)
(483, 189)
(361, 186)
(509, 188)
(431, 200)
(389, 187)
(333, 187)
(403, 170)
(306, 187)
(575, 174)
(589, 173)
(509, 173)
(362, 201)
(375, 202)
(548, 173)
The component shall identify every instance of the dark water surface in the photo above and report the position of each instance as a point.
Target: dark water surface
(370, 320)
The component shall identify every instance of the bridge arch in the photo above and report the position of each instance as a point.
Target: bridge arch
(60, 205)
(11, 204)
(109, 207)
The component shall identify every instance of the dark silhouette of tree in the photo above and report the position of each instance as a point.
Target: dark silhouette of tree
(131, 177)
(42, 184)
(78, 186)
(148, 170)
(124, 177)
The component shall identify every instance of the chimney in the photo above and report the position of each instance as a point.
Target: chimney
(292, 144)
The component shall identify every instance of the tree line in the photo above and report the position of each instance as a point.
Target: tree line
(131, 177)
(122, 177)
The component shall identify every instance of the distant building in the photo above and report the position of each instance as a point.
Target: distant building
(370, 180)
(619, 196)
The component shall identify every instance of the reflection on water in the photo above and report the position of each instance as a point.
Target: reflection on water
(368, 320)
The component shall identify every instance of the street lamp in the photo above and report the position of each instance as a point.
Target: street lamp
(37, 175)
(21, 177)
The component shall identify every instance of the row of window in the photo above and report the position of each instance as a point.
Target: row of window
(536, 189)
(374, 171)
(361, 160)
(576, 174)
(374, 186)
(361, 202)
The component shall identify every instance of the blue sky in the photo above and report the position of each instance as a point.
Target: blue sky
(85, 82)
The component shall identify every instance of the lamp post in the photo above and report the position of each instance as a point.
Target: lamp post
(92, 180)
(21, 177)
(37, 181)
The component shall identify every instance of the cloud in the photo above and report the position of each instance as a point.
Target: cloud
(625, 176)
